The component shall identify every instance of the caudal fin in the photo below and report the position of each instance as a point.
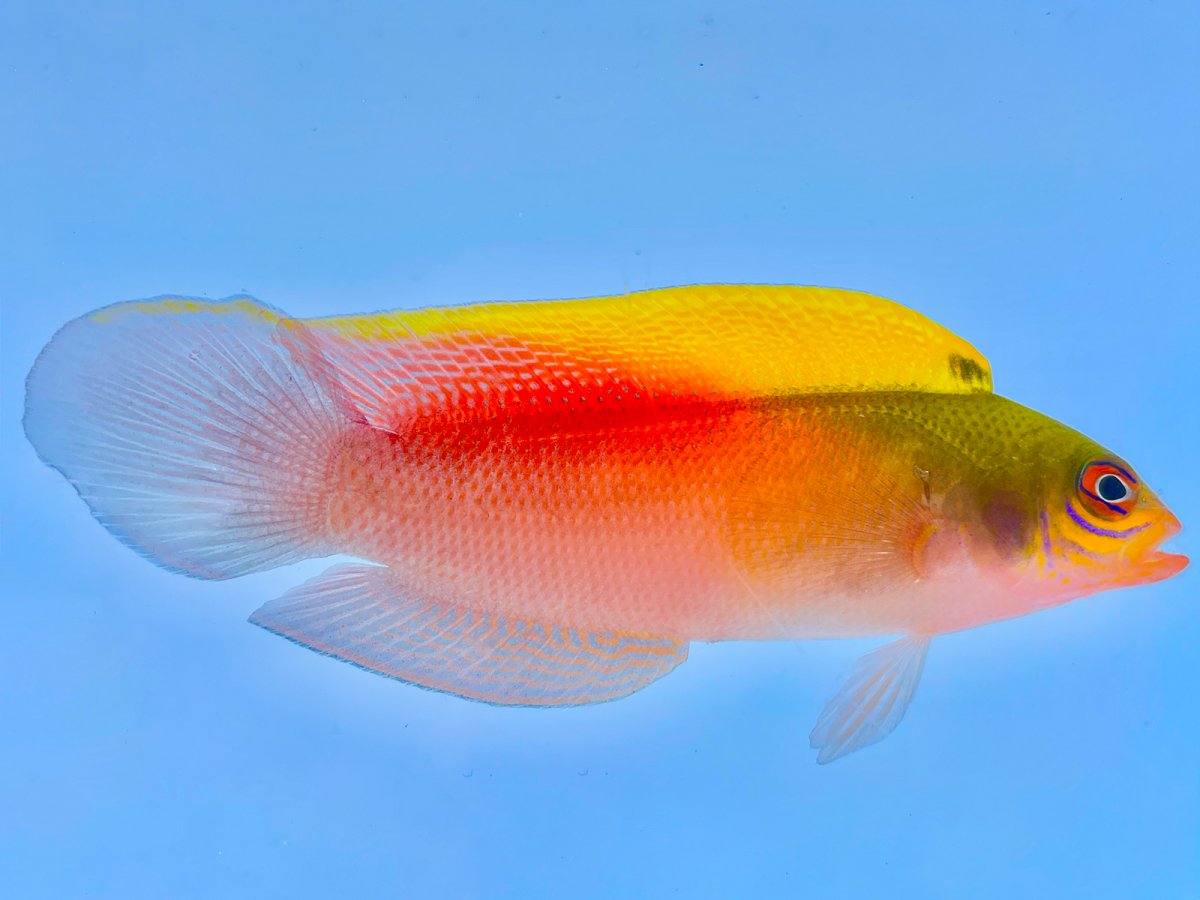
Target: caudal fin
(193, 430)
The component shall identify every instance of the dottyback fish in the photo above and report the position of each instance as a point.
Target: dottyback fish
(550, 500)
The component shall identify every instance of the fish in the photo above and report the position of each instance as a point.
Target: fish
(546, 502)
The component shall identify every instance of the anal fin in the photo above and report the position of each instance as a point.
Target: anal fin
(873, 700)
(363, 614)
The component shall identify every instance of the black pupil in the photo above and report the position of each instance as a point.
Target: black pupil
(1111, 488)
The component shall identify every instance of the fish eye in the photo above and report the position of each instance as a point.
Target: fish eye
(1107, 489)
(1110, 487)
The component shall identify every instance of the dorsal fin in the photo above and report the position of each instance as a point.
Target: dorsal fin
(728, 340)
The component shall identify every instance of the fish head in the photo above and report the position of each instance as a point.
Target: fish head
(1101, 527)
(1046, 515)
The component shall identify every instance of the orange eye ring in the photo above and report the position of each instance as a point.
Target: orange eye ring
(1107, 490)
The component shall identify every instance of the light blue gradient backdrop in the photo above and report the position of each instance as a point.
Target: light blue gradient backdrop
(1023, 173)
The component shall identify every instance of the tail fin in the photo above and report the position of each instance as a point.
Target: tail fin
(193, 430)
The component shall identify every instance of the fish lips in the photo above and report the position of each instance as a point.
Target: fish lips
(1147, 563)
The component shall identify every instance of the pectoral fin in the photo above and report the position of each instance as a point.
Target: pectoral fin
(365, 615)
(872, 701)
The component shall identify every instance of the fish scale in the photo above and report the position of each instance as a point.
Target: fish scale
(551, 500)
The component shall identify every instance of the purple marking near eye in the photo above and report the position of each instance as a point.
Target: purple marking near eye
(1079, 548)
(1044, 520)
(1121, 469)
(1103, 532)
(1107, 503)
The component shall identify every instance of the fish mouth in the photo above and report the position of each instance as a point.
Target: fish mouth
(1152, 563)
(1159, 565)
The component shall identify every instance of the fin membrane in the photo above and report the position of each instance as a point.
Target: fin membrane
(872, 701)
(191, 430)
(362, 614)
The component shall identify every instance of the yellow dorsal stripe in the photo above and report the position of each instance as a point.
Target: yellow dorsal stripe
(743, 338)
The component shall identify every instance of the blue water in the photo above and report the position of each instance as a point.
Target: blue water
(1023, 173)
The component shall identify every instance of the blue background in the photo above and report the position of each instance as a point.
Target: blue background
(1024, 173)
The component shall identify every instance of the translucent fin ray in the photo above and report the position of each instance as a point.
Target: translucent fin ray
(873, 700)
(191, 431)
(363, 615)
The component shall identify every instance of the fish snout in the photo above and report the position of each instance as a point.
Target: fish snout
(1150, 563)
